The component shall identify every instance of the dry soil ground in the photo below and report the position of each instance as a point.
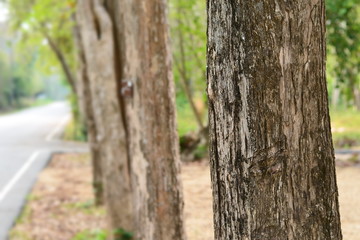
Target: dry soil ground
(61, 202)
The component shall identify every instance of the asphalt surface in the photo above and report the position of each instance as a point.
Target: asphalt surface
(27, 140)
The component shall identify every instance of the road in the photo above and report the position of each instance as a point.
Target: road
(27, 140)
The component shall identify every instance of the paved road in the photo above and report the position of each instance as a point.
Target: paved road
(27, 140)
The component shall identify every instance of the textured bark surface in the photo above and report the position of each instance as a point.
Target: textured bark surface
(98, 42)
(145, 64)
(272, 160)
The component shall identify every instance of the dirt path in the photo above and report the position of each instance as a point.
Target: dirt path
(63, 196)
(61, 203)
(349, 198)
(198, 201)
(198, 205)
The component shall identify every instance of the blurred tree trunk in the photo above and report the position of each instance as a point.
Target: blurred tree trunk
(87, 113)
(353, 90)
(185, 81)
(357, 98)
(272, 158)
(98, 42)
(129, 65)
(147, 89)
(70, 76)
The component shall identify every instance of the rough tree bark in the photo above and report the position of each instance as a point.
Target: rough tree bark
(272, 159)
(98, 42)
(128, 58)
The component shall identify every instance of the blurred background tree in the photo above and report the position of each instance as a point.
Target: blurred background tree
(188, 35)
(188, 28)
(19, 86)
(46, 26)
(343, 62)
(41, 47)
(188, 32)
(343, 28)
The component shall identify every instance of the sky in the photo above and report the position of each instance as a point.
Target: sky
(3, 12)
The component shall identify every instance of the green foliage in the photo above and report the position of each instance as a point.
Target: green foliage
(201, 151)
(87, 207)
(15, 72)
(99, 234)
(40, 23)
(91, 235)
(20, 235)
(25, 215)
(188, 33)
(185, 117)
(41, 20)
(24, 52)
(48, 26)
(76, 129)
(343, 34)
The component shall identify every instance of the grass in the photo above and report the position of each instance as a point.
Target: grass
(74, 132)
(23, 218)
(87, 207)
(91, 235)
(345, 124)
(25, 215)
(100, 234)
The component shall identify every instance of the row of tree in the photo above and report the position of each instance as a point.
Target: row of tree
(272, 162)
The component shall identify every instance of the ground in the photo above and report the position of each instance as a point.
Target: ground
(61, 205)
(349, 198)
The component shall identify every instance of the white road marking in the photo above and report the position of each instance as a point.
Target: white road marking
(18, 175)
(58, 128)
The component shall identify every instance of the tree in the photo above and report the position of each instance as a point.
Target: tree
(97, 44)
(48, 20)
(46, 25)
(272, 158)
(188, 34)
(16, 70)
(85, 99)
(129, 68)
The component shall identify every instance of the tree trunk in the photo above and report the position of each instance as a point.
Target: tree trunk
(129, 68)
(181, 66)
(98, 42)
(357, 98)
(148, 94)
(272, 158)
(61, 58)
(335, 97)
(87, 112)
